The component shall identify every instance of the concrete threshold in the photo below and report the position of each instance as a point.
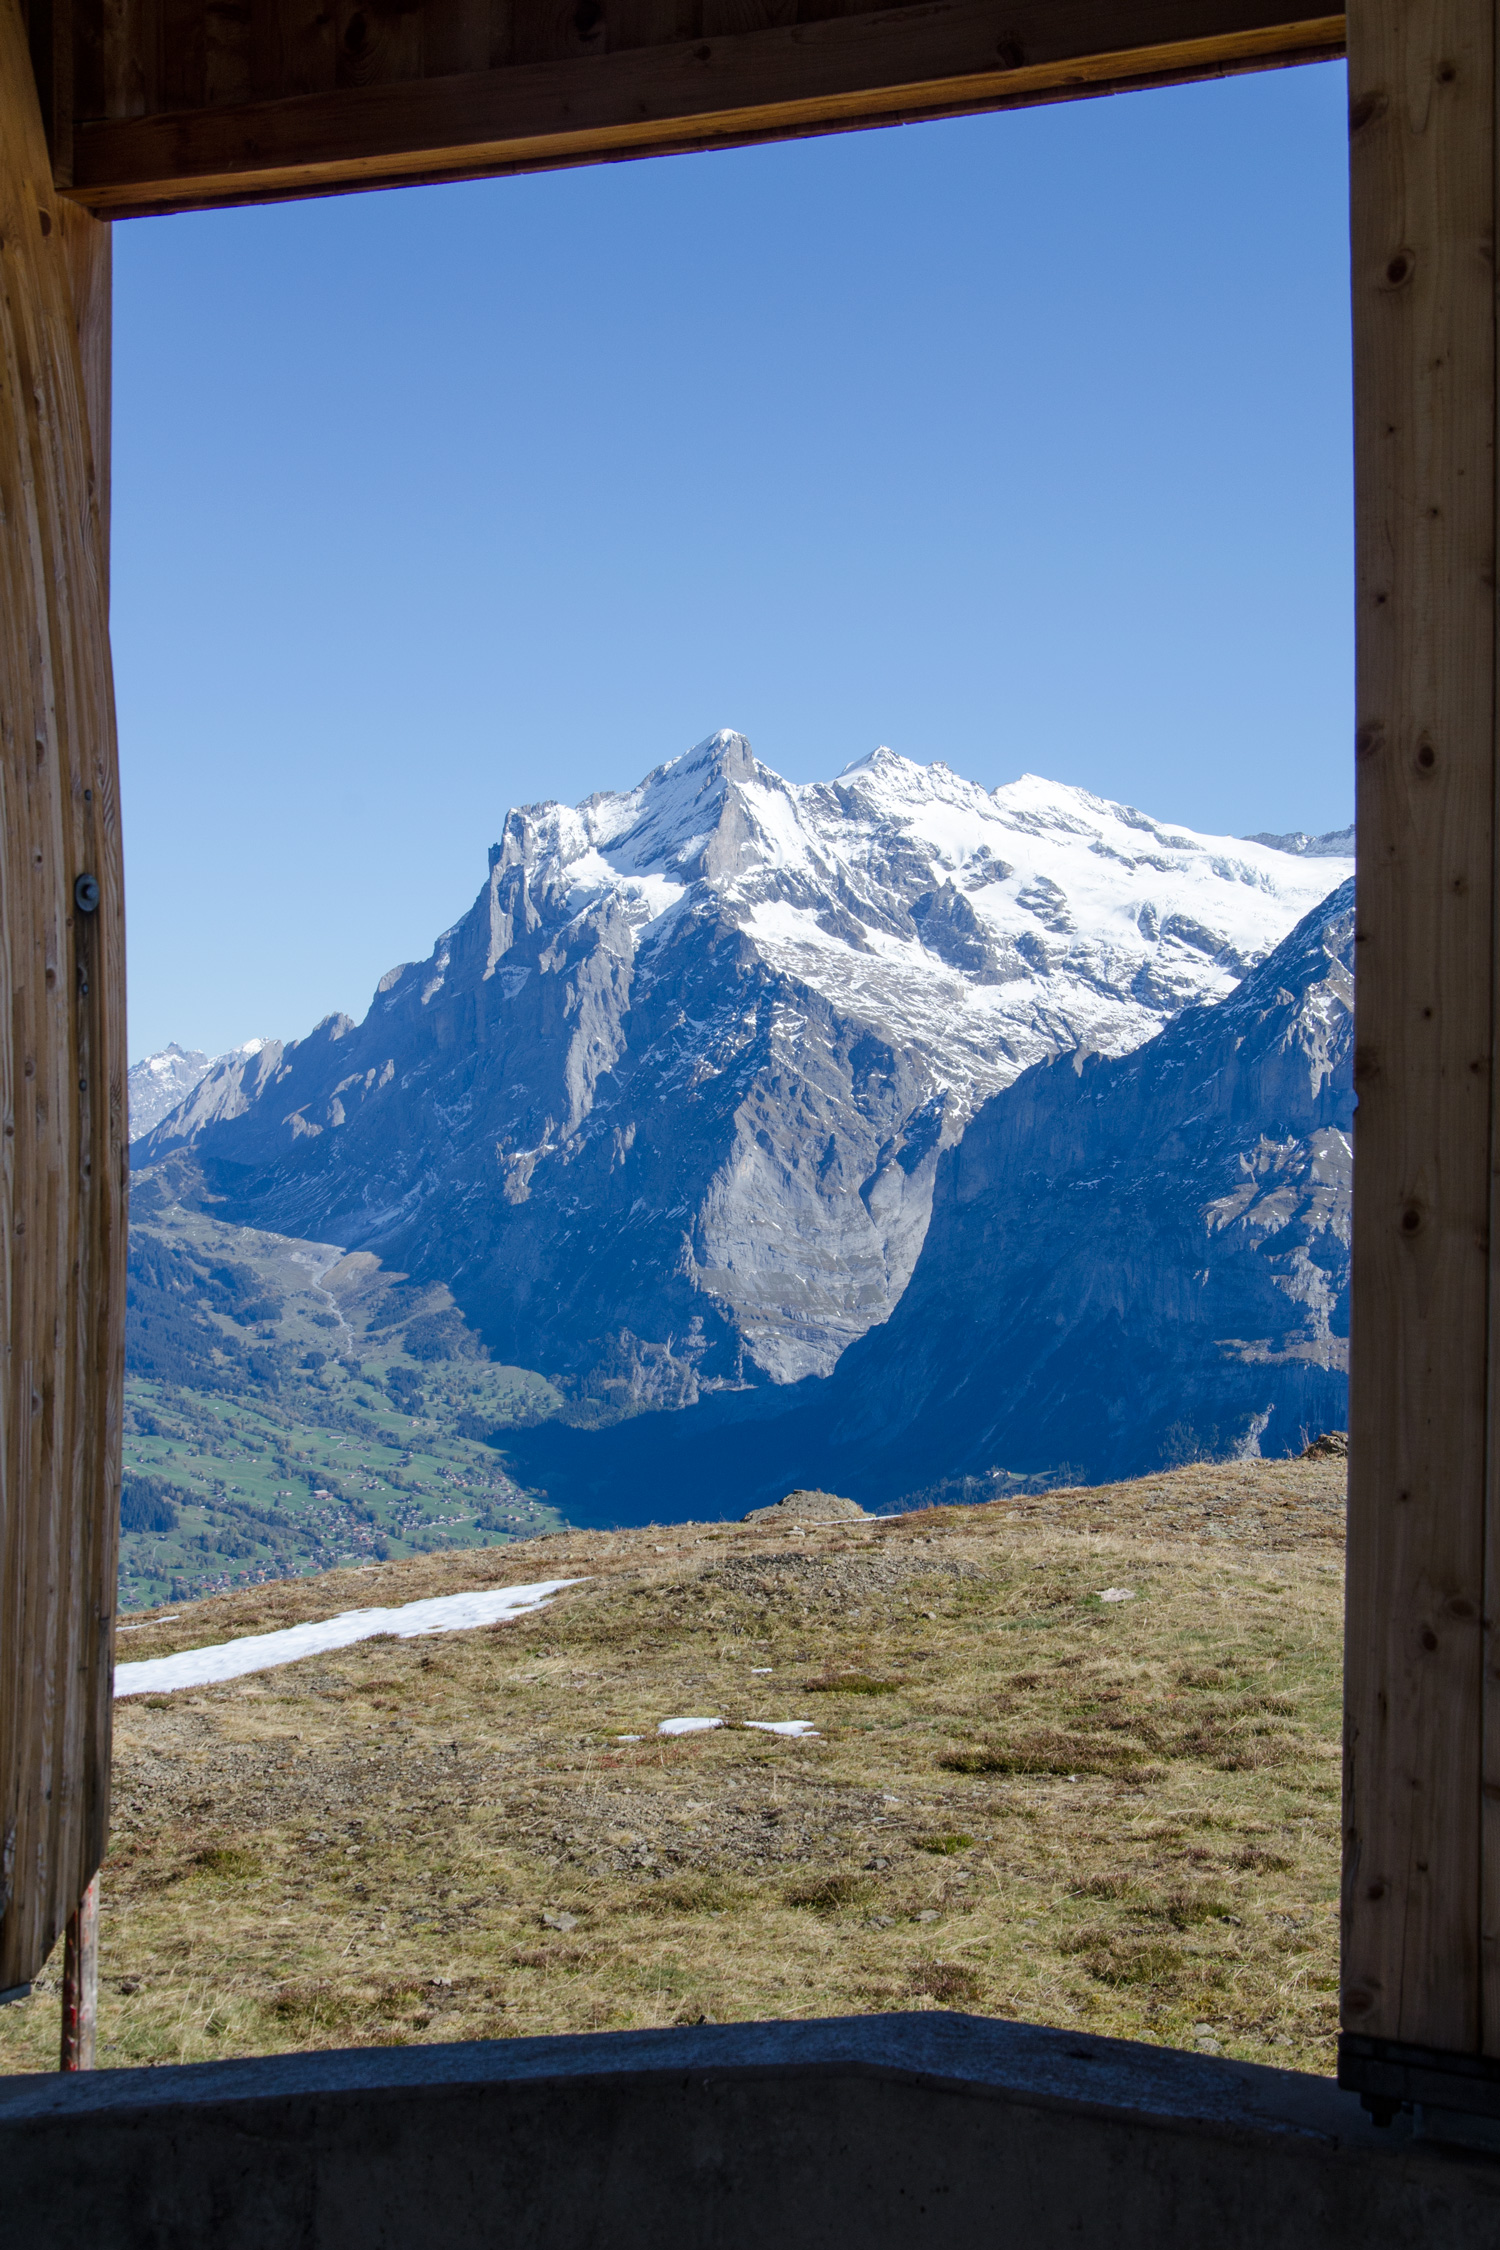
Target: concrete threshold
(887, 2132)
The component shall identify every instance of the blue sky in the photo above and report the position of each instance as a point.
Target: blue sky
(1019, 441)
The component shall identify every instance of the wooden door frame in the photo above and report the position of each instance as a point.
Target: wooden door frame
(132, 131)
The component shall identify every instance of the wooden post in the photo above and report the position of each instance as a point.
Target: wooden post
(62, 1044)
(1421, 1904)
(80, 1991)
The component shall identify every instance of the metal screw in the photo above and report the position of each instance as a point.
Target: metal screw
(86, 894)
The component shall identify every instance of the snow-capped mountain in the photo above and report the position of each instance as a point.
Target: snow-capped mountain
(157, 1084)
(1131, 1259)
(1338, 843)
(664, 1108)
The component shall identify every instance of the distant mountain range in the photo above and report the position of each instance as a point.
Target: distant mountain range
(1338, 843)
(158, 1084)
(665, 1108)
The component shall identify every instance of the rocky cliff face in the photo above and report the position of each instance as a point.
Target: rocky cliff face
(1131, 1260)
(665, 1108)
(1136, 1258)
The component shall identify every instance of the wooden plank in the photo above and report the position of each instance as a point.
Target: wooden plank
(62, 1058)
(379, 42)
(726, 19)
(226, 51)
(662, 23)
(463, 35)
(1422, 99)
(128, 48)
(87, 246)
(292, 48)
(49, 31)
(183, 79)
(942, 58)
(80, 1984)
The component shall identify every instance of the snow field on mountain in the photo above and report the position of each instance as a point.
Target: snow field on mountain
(1092, 922)
(1081, 923)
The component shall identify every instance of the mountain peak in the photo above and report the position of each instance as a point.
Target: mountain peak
(666, 1104)
(874, 760)
(725, 753)
(158, 1084)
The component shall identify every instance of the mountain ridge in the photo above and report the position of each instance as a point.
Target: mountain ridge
(1131, 1259)
(160, 1083)
(664, 1108)
(1337, 843)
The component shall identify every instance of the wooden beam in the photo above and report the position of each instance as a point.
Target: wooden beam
(50, 27)
(62, 1047)
(80, 1984)
(1422, 1792)
(87, 246)
(940, 58)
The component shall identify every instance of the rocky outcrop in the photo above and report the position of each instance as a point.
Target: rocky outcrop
(809, 1507)
(665, 1109)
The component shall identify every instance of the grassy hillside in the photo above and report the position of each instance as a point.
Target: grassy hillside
(290, 1408)
(1024, 1801)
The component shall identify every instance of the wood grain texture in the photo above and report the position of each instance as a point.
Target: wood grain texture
(80, 1984)
(123, 76)
(464, 35)
(379, 42)
(1422, 103)
(62, 1055)
(943, 58)
(226, 51)
(292, 48)
(50, 36)
(87, 246)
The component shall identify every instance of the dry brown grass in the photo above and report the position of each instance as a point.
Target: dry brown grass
(1024, 1802)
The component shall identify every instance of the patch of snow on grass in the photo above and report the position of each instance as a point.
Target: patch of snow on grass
(798, 1728)
(260, 1652)
(688, 1726)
